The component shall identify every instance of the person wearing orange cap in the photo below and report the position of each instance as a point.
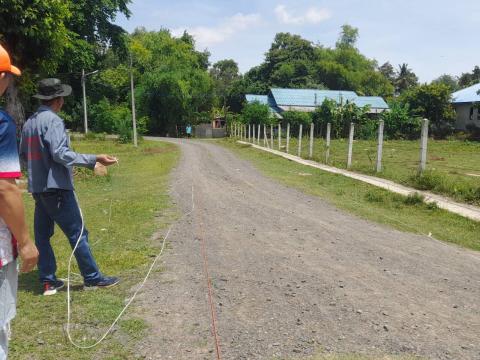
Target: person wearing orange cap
(14, 236)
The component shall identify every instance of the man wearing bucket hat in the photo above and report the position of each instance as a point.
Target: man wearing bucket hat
(14, 236)
(46, 148)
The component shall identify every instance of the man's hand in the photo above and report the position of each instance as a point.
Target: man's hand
(106, 160)
(29, 256)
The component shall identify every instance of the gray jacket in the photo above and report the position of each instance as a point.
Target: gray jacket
(45, 146)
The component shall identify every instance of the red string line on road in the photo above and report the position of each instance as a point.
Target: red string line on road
(213, 312)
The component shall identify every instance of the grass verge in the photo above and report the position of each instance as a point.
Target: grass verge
(404, 213)
(453, 166)
(137, 192)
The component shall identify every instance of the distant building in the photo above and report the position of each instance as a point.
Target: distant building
(218, 122)
(307, 100)
(215, 129)
(466, 103)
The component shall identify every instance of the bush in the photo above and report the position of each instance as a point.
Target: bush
(432, 101)
(295, 118)
(413, 199)
(340, 117)
(429, 180)
(256, 113)
(398, 122)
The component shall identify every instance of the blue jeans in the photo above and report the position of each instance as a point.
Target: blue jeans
(61, 207)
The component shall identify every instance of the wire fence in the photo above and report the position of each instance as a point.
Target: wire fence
(451, 167)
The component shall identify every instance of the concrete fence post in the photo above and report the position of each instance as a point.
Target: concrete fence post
(271, 136)
(310, 151)
(327, 144)
(381, 125)
(300, 140)
(423, 147)
(288, 137)
(265, 141)
(249, 132)
(258, 135)
(350, 145)
(279, 137)
(253, 133)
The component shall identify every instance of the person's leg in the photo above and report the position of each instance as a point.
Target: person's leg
(65, 212)
(8, 301)
(43, 229)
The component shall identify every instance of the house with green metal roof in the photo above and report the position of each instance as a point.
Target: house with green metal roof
(466, 103)
(307, 100)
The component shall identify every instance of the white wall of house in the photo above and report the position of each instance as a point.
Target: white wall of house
(467, 114)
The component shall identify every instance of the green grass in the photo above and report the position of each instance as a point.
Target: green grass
(452, 165)
(137, 190)
(403, 213)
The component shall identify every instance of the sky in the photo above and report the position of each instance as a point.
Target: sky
(433, 37)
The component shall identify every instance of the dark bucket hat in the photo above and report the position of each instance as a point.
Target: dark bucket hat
(52, 88)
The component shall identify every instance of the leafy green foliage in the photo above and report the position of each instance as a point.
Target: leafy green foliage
(294, 62)
(296, 118)
(406, 79)
(173, 85)
(432, 101)
(398, 122)
(256, 113)
(224, 73)
(468, 79)
(348, 36)
(340, 116)
(448, 80)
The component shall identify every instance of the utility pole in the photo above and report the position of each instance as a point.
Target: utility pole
(85, 120)
(134, 119)
(85, 117)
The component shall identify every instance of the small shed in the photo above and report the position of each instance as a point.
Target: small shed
(218, 122)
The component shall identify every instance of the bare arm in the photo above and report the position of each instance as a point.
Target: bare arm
(13, 213)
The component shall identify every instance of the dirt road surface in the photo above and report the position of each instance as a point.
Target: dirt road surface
(291, 274)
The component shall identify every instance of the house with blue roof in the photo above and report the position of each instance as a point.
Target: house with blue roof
(466, 103)
(280, 100)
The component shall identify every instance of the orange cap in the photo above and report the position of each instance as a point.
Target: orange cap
(5, 63)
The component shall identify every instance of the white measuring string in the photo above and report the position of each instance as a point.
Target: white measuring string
(69, 312)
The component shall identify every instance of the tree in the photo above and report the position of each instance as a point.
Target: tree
(432, 101)
(173, 86)
(224, 73)
(448, 80)
(294, 62)
(288, 57)
(406, 79)
(468, 79)
(399, 124)
(46, 35)
(388, 71)
(296, 118)
(256, 113)
(348, 36)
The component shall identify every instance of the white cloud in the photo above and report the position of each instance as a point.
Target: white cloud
(313, 15)
(207, 36)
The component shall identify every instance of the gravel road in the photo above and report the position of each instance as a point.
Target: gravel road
(292, 274)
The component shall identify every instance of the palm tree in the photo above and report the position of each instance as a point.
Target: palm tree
(406, 78)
